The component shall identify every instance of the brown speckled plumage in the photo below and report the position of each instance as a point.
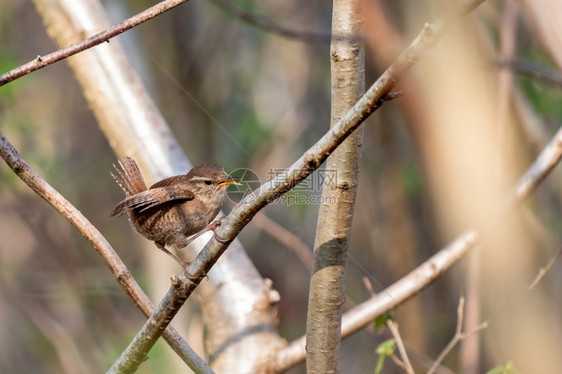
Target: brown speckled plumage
(174, 208)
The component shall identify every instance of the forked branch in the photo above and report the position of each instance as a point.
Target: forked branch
(271, 190)
(429, 271)
(100, 244)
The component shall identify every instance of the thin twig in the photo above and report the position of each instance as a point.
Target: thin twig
(104, 36)
(271, 26)
(394, 95)
(544, 270)
(283, 182)
(398, 362)
(393, 327)
(532, 69)
(285, 237)
(100, 244)
(459, 336)
(452, 342)
(429, 271)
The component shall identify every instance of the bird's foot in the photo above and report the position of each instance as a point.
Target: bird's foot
(213, 227)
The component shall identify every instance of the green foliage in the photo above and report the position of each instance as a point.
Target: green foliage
(544, 98)
(384, 350)
(411, 179)
(382, 320)
(509, 368)
(8, 91)
(251, 133)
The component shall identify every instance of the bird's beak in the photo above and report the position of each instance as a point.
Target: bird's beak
(227, 181)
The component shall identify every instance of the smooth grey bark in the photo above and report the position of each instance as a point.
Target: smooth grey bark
(327, 285)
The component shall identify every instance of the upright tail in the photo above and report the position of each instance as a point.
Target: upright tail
(129, 177)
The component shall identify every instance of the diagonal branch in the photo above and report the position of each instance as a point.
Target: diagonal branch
(271, 190)
(271, 26)
(135, 127)
(104, 36)
(426, 273)
(405, 364)
(100, 244)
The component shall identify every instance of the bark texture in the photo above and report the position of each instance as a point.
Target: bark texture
(333, 229)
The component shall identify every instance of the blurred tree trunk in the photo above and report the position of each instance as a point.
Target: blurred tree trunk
(134, 126)
(333, 229)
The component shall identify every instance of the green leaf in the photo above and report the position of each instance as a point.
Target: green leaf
(380, 364)
(386, 348)
(381, 320)
(8, 62)
(509, 368)
(497, 370)
(411, 179)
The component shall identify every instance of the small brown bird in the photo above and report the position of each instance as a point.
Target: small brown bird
(174, 208)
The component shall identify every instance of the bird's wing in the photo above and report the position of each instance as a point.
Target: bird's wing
(171, 181)
(152, 197)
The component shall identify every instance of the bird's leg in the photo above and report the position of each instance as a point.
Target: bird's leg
(213, 227)
(210, 227)
(162, 247)
(184, 264)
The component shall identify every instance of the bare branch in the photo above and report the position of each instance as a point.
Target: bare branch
(533, 70)
(135, 127)
(544, 270)
(104, 36)
(285, 237)
(271, 26)
(459, 336)
(398, 362)
(426, 273)
(283, 182)
(393, 326)
(100, 244)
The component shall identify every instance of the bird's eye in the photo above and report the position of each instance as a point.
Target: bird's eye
(208, 182)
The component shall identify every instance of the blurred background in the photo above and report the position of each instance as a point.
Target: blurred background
(478, 109)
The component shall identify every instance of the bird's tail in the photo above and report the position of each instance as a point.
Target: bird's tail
(129, 177)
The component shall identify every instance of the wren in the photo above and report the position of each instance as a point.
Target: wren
(175, 208)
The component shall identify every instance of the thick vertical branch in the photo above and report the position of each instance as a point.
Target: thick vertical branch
(432, 269)
(333, 230)
(242, 213)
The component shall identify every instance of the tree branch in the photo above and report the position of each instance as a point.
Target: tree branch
(271, 26)
(426, 273)
(283, 182)
(104, 36)
(335, 216)
(534, 70)
(459, 336)
(100, 244)
(285, 237)
(407, 366)
(135, 127)
(545, 269)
